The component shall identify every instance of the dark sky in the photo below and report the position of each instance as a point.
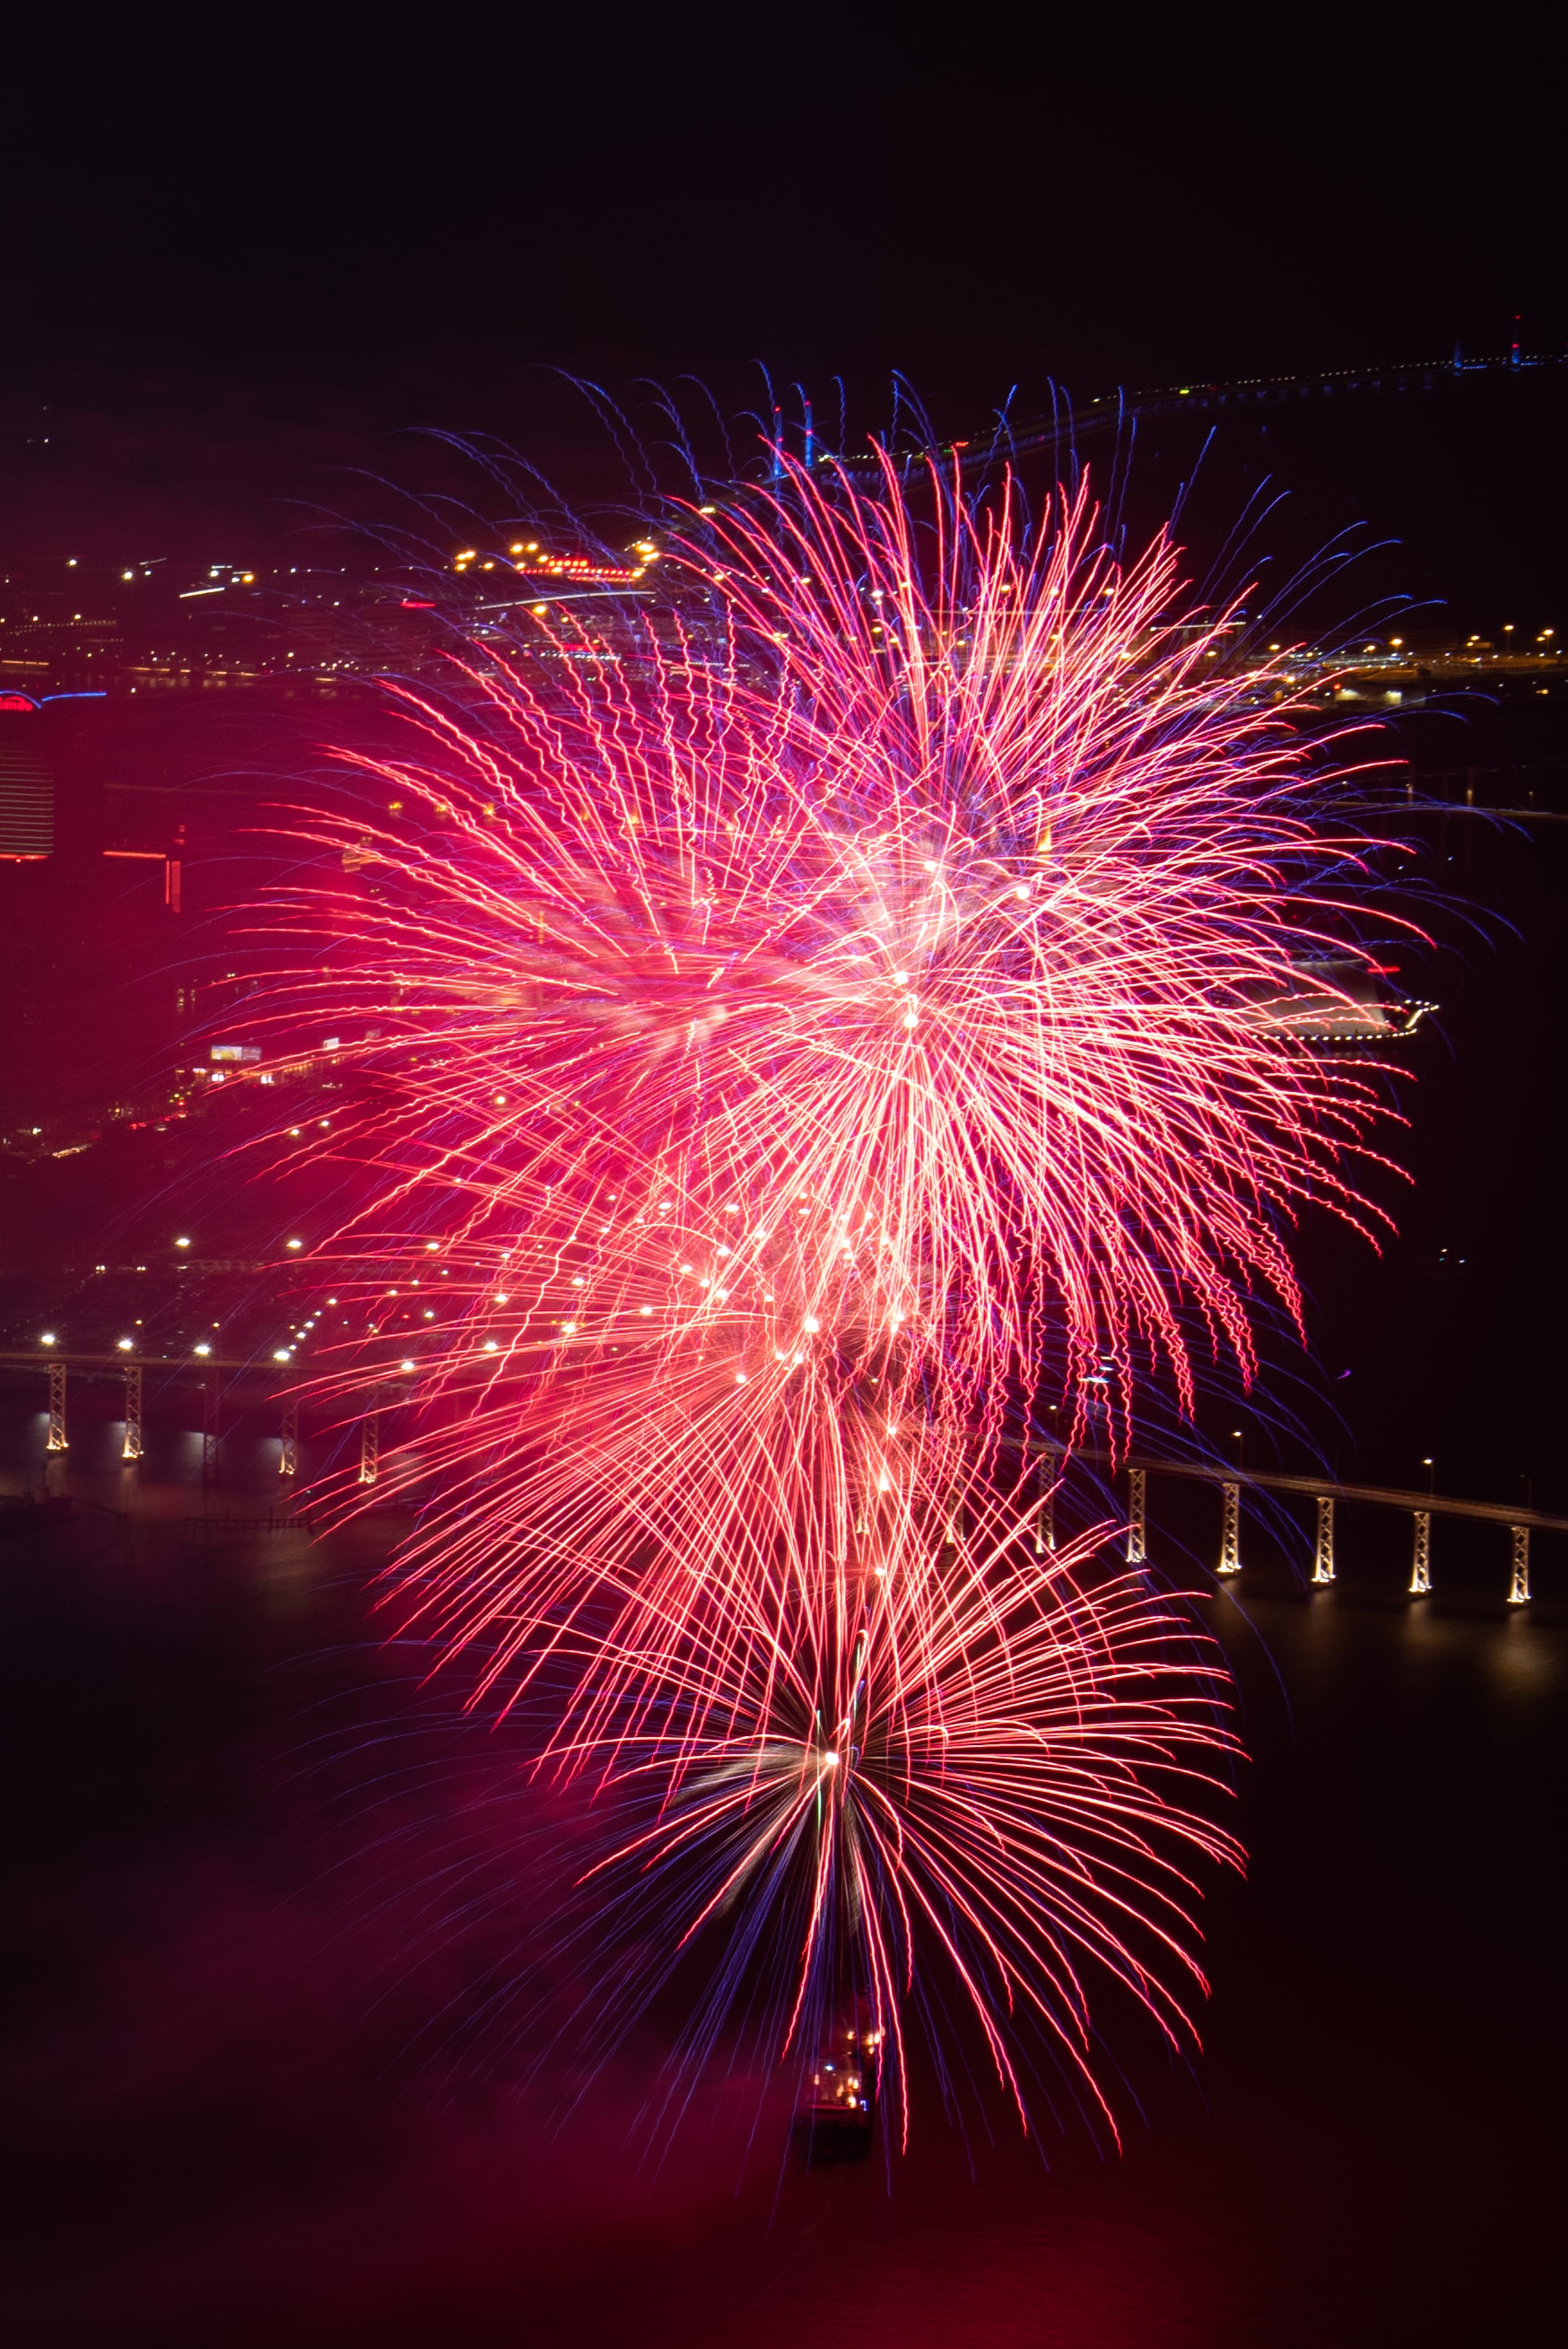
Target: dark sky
(242, 252)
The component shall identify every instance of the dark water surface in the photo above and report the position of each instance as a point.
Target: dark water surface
(218, 2120)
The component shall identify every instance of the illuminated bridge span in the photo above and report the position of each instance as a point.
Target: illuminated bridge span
(1232, 1483)
(215, 1375)
(1112, 411)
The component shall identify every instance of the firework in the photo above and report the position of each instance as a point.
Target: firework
(791, 1036)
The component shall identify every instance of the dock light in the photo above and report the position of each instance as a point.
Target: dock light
(182, 1243)
(202, 1350)
(126, 1344)
(47, 1339)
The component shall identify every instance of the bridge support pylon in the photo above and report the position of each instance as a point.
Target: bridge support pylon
(1421, 1561)
(1137, 1517)
(1230, 1529)
(1045, 1514)
(1323, 1556)
(132, 1448)
(1518, 1582)
(370, 1447)
(55, 1441)
(288, 1457)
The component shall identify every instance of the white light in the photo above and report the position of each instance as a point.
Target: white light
(430, 1246)
(182, 1243)
(279, 1353)
(202, 1350)
(126, 1344)
(830, 1761)
(568, 1327)
(810, 1322)
(490, 1346)
(47, 1339)
(405, 1366)
(644, 1311)
(296, 1244)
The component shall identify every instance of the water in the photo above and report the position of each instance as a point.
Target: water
(218, 2114)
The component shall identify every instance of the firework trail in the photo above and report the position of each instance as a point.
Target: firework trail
(789, 1035)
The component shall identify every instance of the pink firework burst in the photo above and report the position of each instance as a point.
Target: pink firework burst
(794, 1023)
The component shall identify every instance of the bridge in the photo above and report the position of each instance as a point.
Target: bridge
(216, 1375)
(1232, 1483)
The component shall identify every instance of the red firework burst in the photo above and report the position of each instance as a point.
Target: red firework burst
(790, 1030)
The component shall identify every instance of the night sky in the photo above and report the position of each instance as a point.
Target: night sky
(238, 263)
(260, 272)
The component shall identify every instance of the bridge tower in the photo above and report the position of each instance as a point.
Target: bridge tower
(1046, 1516)
(1322, 1556)
(132, 1448)
(369, 1447)
(1230, 1529)
(57, 1437)
(1421, 1561)
(1519, 1583)
(1137, 1517)
(209, 1427)
(288, 1457)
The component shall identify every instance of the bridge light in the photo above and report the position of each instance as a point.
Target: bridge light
(47, 1339)
(126, 1344)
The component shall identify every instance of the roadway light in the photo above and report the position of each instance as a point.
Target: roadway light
(202, 1350)
(405, 1366)
(126, 1344)
(296, 1244)
(47, 1339)
(281, 1354)
(182, 1243)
